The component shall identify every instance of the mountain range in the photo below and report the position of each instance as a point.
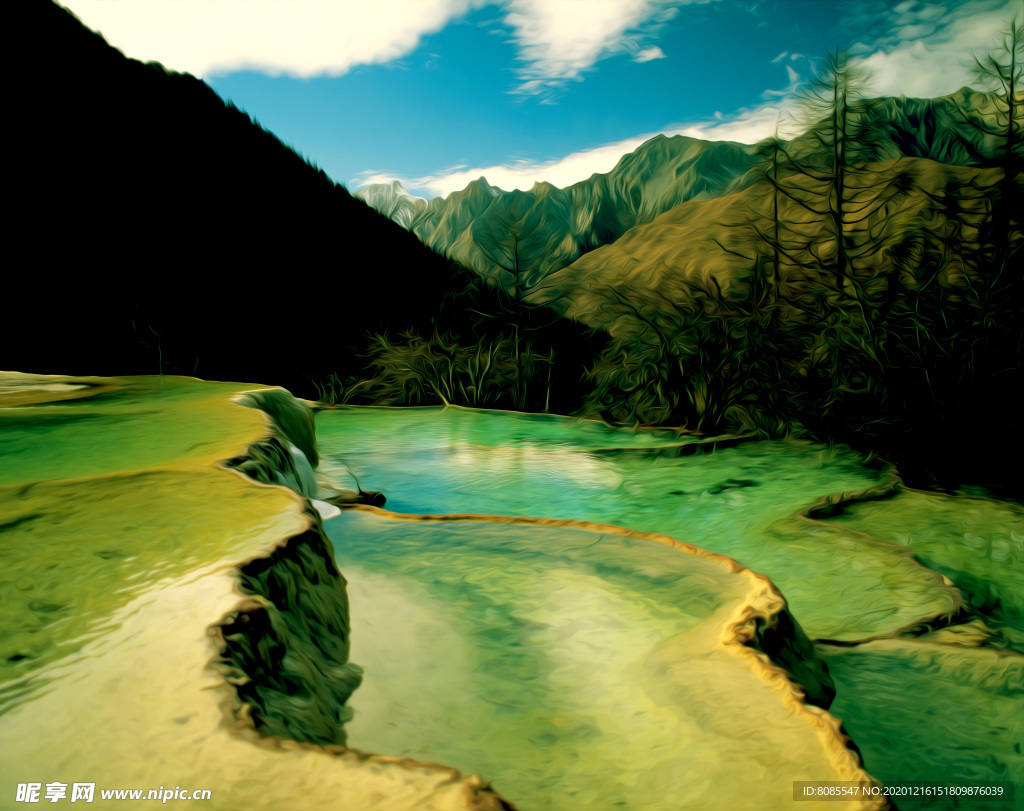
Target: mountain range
(517, 238)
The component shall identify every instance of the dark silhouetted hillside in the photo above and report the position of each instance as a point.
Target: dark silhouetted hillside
(157, 228)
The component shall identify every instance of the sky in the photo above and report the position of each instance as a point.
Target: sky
(436, 93)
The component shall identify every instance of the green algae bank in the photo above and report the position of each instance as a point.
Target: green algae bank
(549, 613)
(169, 618)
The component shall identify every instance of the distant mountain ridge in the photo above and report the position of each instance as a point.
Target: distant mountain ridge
(520, 237)
(393, 201)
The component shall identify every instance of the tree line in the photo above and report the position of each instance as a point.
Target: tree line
(858, 321)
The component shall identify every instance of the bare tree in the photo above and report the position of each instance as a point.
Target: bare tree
(1002, 71)
(832, 107)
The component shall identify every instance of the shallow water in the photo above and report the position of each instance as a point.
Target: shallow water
(573, 668)
(923, 711)
(851, 578)
(739, 501)
(978, 544)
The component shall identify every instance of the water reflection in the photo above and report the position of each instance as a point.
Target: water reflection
(739, 501)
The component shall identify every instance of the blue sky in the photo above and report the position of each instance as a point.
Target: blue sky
(438, 92)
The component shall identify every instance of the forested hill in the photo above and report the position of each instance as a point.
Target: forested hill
(156, 228)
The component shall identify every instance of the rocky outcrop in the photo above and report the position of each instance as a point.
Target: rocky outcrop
(286, 648)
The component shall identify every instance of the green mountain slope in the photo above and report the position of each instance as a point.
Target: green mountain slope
(942, 129)
(709, 245)
(518, 237)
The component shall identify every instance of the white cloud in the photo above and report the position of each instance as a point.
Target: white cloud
(559, 40)
(794, 78)
(303, 38)
(928, 56)
(523, 174)
(936, 63)
(930, 53)
(747, 126)
(922, 67)
(647, 54)
(372, 177)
